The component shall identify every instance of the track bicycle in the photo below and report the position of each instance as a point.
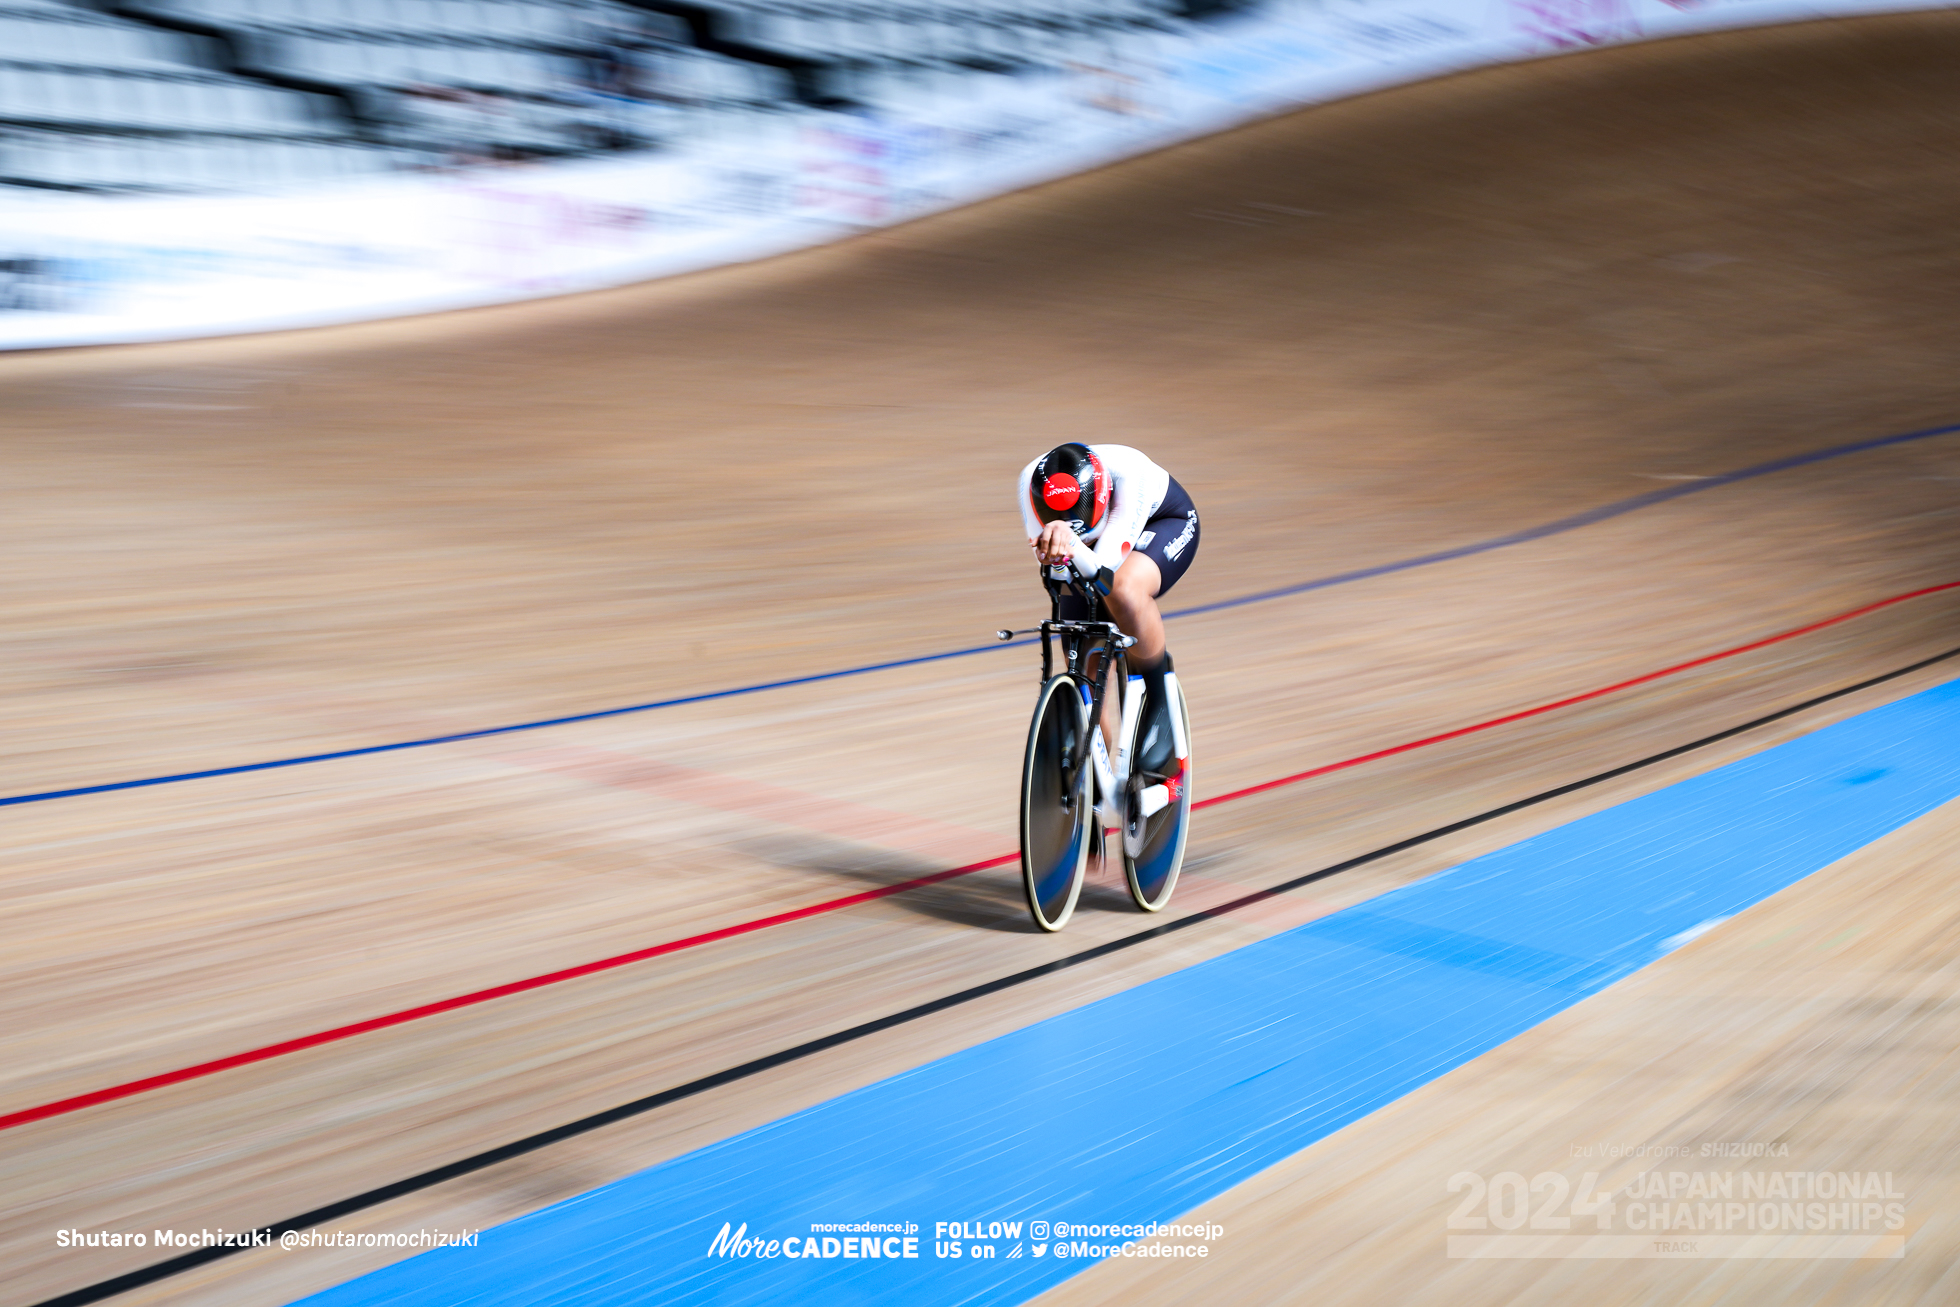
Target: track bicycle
(1069, 783)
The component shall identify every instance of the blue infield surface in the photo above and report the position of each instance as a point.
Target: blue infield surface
(1137, 1108)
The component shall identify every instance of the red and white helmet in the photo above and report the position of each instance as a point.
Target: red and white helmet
(1070, 485)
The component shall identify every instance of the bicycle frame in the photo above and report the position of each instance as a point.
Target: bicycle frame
(1083, 642)
(1079, 657)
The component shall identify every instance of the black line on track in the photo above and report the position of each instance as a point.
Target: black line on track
(768, 1062)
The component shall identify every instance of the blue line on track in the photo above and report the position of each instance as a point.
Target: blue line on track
(1560, 526)
(1577, 520)
(1139, 1107)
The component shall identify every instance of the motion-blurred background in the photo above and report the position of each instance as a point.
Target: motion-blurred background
(1462, 374)
(147, 95)
(172, 168)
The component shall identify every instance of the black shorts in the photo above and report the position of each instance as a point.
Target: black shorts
(1170, 539)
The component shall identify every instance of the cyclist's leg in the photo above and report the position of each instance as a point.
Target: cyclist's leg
(1163, 554)
(1133, 604)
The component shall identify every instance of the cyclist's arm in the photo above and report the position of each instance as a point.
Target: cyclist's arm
(1136, 493)
(1137, 490)
(1083, 564)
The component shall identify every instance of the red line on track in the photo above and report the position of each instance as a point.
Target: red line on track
(131, 1088)
(471, 999)
(1615, 688)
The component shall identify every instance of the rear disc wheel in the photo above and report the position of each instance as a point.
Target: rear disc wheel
(1159, 839)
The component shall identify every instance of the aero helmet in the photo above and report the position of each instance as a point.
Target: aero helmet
(1070, 485)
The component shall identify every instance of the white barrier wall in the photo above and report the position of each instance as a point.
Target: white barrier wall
(88, 270)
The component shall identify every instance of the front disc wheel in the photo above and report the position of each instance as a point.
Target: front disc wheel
(1056, 793)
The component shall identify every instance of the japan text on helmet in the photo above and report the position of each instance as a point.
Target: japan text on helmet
(1070, 485)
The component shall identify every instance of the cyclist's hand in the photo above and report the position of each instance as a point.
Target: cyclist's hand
(1055, 545)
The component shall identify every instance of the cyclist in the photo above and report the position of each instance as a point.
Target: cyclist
(1105, 518)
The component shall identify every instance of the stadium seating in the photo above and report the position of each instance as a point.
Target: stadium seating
(145, 95)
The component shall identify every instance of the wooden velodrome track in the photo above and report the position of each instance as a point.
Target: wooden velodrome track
(1358, 334)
